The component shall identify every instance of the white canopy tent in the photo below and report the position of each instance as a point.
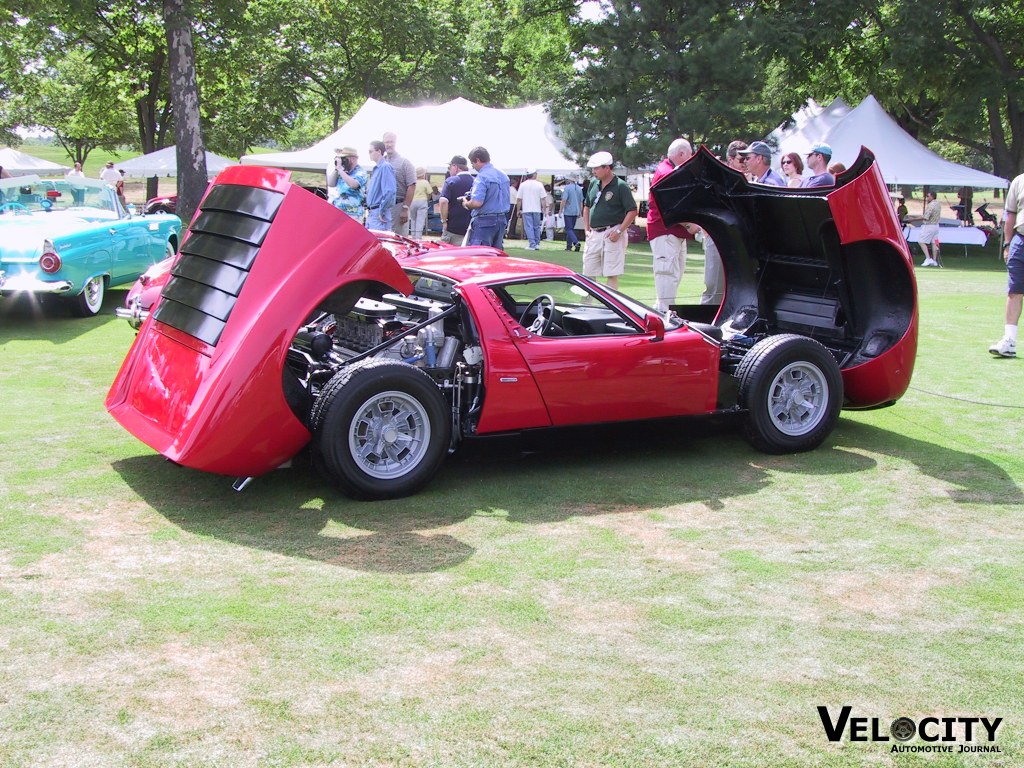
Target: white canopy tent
(19, 163)
(809, 124)
(429, 135)
(901, 158)
(164, 162)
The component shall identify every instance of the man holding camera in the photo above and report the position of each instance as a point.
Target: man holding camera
(348, 177)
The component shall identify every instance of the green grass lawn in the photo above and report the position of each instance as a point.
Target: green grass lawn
(628, 597)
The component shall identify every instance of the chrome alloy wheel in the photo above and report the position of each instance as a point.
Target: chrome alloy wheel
(389, 434)
(797, 398)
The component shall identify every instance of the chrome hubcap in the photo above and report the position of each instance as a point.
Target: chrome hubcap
(797, 397)
(389, 435)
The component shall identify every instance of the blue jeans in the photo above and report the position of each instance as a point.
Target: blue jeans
(570, 232)
(487, 229)
(379, 218)
(531, 223)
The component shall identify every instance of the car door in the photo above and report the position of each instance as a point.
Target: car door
(632, 373)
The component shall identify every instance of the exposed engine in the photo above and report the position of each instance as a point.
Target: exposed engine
(425, 332)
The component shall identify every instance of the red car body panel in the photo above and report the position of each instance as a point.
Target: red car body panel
(860, 214)
(221, 408)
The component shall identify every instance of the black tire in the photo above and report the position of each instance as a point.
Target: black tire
(380, 429)
(89, 302)
(792, 390)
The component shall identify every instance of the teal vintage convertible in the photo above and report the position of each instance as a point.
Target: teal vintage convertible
(73, 238)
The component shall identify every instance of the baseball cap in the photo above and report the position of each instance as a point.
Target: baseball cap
(757, 148)
(531, 171)
(600, 158)
(822, 149)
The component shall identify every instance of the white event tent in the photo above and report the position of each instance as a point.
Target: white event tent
(429, 135)
(901, 158)
(19, 163)
(164, 162)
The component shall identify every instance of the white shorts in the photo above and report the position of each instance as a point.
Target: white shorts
(928, 233)
(603, 257)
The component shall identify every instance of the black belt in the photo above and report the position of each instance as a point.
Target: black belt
(602, 229)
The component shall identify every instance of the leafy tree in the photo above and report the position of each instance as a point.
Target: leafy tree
(82, 112)
(652, 70)
(348, 50)
(508, 52)
(951, 72)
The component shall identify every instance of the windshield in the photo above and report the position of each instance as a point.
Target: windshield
(31, 194)
(641, 309)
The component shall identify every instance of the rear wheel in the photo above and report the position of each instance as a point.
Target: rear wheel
(792, 390)
(89, 302)
(380, 429)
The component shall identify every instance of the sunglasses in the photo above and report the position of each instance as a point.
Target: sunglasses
(787, 162)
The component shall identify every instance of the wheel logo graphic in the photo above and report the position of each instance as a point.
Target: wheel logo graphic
(903, 729)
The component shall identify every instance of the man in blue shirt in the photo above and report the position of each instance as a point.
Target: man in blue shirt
(380, 193)
(759, 164)
(572, 207)
(488, 201)
(817, 161)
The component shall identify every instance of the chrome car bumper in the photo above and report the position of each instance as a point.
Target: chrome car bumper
(133, 313)
(31, 284)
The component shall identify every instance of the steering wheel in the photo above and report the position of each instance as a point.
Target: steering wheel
(542, 322)
(13, 206)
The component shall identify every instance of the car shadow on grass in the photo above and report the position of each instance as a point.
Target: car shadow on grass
(49, 318)
(529, 479)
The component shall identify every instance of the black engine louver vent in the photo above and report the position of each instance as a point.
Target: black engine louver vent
(215, 260)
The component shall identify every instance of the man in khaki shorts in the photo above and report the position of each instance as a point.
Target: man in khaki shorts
(608, 210)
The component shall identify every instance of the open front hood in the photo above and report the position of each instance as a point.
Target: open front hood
(827, 262)
(260, 255)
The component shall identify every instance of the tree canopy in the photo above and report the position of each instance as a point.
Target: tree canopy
(624, 76)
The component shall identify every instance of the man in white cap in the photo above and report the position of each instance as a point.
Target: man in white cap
(531, 202)
(817, 160)
(608, 210)
(759, 164)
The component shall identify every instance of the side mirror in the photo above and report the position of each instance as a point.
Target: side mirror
(654, 325)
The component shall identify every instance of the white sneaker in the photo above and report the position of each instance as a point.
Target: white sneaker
(1004, 348)
(929, 263)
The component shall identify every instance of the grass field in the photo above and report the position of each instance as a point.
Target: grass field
(615, 597)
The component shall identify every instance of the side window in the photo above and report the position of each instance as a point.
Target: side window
(577, 311)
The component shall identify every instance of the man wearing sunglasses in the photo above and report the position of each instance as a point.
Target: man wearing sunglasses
(759, 164)
(817, 161)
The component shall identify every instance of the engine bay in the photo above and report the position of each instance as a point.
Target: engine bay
(426, 329)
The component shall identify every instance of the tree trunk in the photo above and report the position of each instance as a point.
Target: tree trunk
(188, 132)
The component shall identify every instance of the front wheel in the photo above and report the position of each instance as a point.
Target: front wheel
(89, 302)
(792, 390)
(380, 429)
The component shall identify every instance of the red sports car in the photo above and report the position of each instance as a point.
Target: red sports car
(284, 324)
